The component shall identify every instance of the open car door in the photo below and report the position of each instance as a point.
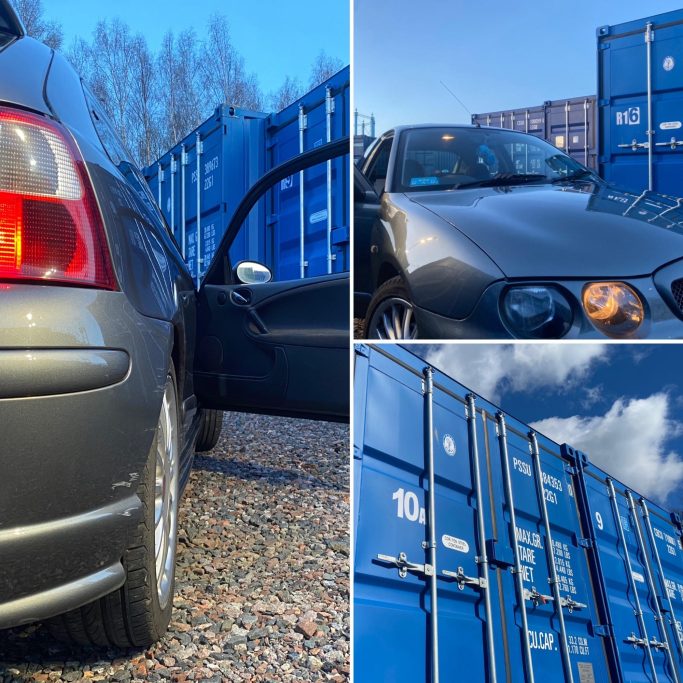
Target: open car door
(279, 348)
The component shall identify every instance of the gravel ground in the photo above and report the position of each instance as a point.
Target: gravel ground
(262, 578)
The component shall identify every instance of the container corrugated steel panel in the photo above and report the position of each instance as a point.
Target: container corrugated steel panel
(567, 124)
(237, 147)
(503, 500)
(640, 102)
(320, 116)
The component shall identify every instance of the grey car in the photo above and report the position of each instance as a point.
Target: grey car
(113, 367)
(469, 232)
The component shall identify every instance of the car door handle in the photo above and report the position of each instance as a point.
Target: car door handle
(240, 297)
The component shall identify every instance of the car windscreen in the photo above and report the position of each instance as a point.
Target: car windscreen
(452, 158)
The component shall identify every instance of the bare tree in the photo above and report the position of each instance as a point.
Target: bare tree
(223, 74)
(31, 13)
(323, 67)
(184, 105)
(290, 91)
(144, 104)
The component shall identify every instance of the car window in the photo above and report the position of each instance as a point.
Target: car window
(378, 165)
(448, 157)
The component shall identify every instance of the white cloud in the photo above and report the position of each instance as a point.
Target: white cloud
(488, 369)
(629, 442)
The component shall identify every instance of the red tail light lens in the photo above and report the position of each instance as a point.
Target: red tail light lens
(50, 224)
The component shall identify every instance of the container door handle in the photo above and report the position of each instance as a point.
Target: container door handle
(404, 565)
(463, 580)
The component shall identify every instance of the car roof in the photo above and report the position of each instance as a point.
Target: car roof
(24, 64)
(9, 20)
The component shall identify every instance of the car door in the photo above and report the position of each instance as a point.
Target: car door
(277, 347)
(365, 213)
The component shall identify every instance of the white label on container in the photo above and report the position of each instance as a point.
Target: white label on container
(638, 577)
(453, 543)
(668, 63)
(670, 125)
(318, 216)
(586, 674)
(449, 444)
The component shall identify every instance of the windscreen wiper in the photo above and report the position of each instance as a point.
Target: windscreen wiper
(577, 175)
(504, 179)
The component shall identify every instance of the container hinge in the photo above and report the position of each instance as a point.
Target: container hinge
(329, 106)
(174, 165)
(462, 580)
(303, 121)
(570, 470)
(183, 158)
(635, 145)
(404, 565)
(585, 542)
(603, 630)
(673, 143)
(635, 641)
(363, 350)
(162, 175)
(200, 145)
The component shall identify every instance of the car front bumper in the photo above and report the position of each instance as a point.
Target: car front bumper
(81, 383)
(485, 321)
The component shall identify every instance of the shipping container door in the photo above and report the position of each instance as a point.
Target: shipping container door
(548, 604)
(644, 644)
(570, 126)
(641, 132)
(394, 637)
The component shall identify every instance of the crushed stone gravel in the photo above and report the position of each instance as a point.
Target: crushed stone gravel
(262, 590)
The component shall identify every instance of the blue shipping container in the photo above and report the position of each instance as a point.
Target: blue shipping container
(473, 557)
(567, 124)
(640, 103)
(302, 229)
(639, 557)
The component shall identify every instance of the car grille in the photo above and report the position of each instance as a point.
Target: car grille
(677, 291)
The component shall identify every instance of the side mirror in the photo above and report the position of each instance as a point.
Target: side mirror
(252, 273)
(363, 196)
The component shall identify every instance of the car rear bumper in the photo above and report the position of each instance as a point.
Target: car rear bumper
(81, 383)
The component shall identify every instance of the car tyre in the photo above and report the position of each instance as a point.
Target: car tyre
(138, 613)
(391, 313)
(210, 425)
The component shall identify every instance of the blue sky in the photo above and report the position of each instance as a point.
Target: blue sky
(492, 55)
(276, 39)
(621, 404)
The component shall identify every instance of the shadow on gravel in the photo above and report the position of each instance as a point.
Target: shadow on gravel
(26, 652)
(275, 476)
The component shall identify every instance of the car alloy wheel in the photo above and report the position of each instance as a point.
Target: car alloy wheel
(394, 318)
(166, 495)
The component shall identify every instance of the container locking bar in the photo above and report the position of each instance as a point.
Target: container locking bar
(653, 543)
(550, 553)
(483, 561)
(428, 388)
(649, 37)
(659, 618)
(404, 565)
(329, 110)
(633, 639)
(303, 124)
(462, 580)
(501, 432)
(199, 148)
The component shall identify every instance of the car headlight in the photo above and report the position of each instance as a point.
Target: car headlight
(613, 307)
(537, 312)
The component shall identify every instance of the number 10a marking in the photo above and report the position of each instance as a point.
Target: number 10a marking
(408, 506)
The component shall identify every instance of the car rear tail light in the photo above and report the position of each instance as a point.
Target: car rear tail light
(50, 225)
